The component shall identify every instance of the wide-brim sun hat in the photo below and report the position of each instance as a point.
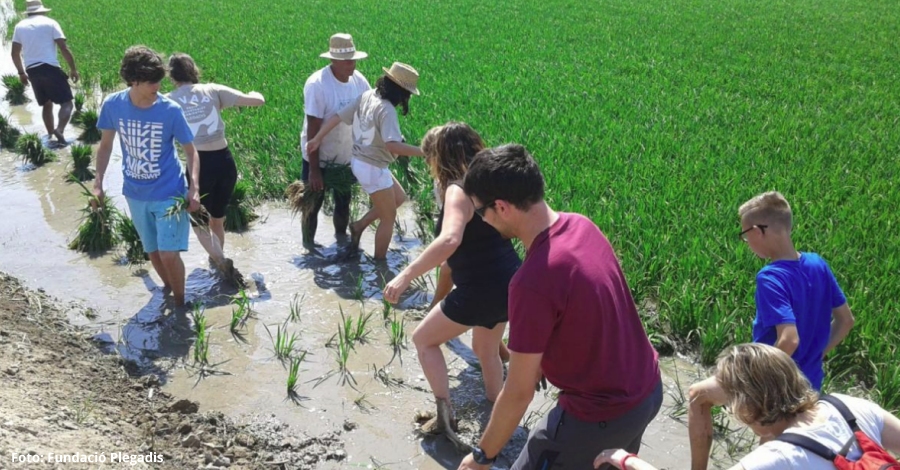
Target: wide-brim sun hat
(341, 47)
(405, 76)
(35, 6)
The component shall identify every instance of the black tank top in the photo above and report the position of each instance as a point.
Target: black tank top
(483, 256)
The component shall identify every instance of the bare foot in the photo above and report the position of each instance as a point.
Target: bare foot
(355, 235)
(60, 138)
(167, 289)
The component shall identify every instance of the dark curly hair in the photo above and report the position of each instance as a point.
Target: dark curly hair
(507, 173)
(182, 68)
(391, 91)
(142, 64)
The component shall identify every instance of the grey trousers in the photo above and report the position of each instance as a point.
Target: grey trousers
(560, 441)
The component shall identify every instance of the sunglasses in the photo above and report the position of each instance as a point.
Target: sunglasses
(762, 228)
(481, 210)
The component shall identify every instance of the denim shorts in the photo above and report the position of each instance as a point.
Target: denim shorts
(159, 232)
(370, 177)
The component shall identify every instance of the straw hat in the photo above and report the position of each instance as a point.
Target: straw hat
(404, 75)
(340, 47)
(35, 6)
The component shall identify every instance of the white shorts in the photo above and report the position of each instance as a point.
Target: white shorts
(370, 177)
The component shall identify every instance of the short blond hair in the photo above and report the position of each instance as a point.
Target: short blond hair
(763, 384)
(770, 208)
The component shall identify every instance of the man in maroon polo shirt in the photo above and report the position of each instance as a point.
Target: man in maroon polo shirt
(571, 318)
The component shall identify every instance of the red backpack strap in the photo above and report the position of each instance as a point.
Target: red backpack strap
(809, 444)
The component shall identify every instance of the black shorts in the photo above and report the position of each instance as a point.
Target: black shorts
(49, 84)
(483, 305)
(218, 175)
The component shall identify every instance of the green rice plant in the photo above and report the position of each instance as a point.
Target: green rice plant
(244, 302)
(201, 339)
(355, 331)
(386, 309)
(359, 291)
(294, 376)
(81, 162)
(32, 150)
(9, 134)
(79, 100)
(128, 235)
(397, 331)
(98, 230)
(238, 213)
(338, 178)
(88, 121)
(15, 90)
(296, 303)
(283, 342)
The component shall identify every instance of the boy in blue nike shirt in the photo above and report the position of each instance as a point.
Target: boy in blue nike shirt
(800, 309)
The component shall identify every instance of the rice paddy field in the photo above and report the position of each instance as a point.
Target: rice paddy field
(656, 119)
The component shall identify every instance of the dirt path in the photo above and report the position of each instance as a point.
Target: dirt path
(60, 398)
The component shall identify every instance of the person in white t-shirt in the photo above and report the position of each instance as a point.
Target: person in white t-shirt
(37, 38)
(764, 389)
(377, 142)
(327, 91)
(202, 104)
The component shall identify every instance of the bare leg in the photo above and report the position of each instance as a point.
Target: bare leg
(211, 244)
(435, 330)
(47, 116)
(217, 226)
(486, 344)
(174, 268)
(160, 269)
(384, 209)
(65, 112)
(703, 396)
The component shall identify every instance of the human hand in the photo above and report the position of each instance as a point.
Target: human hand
(193, 198)
(612, 457)
(541, 384)
(469, 463)
(395, 288)
(312, 145)
(315, 179)
(97, 192)
(74, 76)
(23, 77)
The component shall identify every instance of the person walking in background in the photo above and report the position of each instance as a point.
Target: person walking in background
(37, 38)
(326, 92)
(800, 309)
(376, 143)
(481, 264)
(202, 104)
(765, 390)
(571, 319)
(148, 124)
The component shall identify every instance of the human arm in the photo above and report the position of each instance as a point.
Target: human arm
(616, 457)
(703, 396)
(890, 433)
(313, 144)
(253, 99)
(399, 148)
(841, 322)
(313, 126)
(458, 211)
(787, 339)
(67, 54)
(511, 405)
(103, 153)
(17, 60)
(193, 168)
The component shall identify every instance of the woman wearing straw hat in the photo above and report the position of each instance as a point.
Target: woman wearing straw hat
(376, 143)
(481, 263)
(202, 104)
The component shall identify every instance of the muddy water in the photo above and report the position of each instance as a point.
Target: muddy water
(40, 213)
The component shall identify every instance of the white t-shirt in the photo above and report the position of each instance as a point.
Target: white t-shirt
(375, 123)
(201, 103)
(323, 97)
(833, 433)
(38, 34)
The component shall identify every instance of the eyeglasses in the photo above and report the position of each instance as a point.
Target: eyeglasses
(762, 228)
(480, 210)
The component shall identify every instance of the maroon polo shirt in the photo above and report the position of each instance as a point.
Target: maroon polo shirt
(570, 302)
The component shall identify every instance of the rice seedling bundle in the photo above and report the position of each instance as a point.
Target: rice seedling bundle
(32, 150)
(238, 213)
(79, 101)
(88, 121)
(654, 120)
(134, 249)
(9, 133)
(15, 90)
(81, 162)
(98, 229)
(338, 178)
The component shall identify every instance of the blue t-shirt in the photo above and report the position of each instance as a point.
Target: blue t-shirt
(151, 167)
(802, 292)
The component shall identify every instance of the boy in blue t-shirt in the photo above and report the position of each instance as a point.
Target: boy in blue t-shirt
(800, 309)
(148, 124)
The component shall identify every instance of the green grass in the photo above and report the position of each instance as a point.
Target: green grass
(15, 90)
(32, 150)
(656, 120)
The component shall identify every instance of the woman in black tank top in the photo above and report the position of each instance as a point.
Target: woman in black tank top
(481, 263)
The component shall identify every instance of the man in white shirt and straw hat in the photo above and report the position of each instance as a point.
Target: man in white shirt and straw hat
(37, 38)
(327, 91)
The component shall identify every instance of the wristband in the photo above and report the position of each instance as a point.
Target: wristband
(625, 459)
